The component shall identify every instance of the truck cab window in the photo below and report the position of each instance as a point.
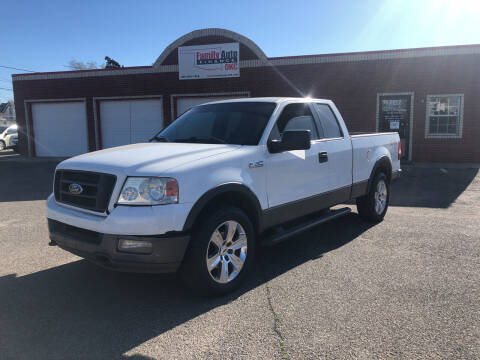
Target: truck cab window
(295, 117)
(239, 123)
(328, 121)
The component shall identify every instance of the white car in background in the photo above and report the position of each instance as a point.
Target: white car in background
(9, 138)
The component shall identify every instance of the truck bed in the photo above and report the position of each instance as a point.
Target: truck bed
(366, 147)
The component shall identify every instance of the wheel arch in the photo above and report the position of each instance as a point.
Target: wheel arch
(383, 164)
(234, 194)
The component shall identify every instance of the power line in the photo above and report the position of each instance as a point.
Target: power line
(9, 81)
(14, 68)
(1, 88)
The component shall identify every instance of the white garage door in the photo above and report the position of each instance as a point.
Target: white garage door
(60, 129)
(130, 121)
(186, 103)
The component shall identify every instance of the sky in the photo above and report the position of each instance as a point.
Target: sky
(46, 35)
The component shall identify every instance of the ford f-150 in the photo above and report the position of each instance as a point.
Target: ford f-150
(221, 179)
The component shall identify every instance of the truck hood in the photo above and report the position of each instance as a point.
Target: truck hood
(145, 158)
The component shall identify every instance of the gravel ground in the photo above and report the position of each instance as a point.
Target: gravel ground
(405, 288)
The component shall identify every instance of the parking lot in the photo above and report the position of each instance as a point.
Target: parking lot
(408, 287)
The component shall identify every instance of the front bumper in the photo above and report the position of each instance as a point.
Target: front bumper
(102, 249)
(123, 220)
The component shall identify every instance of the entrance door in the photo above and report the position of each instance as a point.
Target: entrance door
(394, 115)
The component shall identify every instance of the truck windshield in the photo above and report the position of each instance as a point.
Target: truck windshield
(240, 123)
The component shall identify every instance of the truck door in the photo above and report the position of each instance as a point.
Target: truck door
(295, 175)
(337, 153)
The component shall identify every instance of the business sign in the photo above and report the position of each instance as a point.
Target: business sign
(209, 61)
(394, 114)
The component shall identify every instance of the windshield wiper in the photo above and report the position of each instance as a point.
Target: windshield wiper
(200, 139)
(159, 138)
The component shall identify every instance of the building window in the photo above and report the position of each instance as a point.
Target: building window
(444, 116)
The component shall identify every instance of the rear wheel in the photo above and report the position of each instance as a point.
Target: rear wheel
(221, 252)
(373, 206)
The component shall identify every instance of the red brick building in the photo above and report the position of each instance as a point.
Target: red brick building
(431, 95)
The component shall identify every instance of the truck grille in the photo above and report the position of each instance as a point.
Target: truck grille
(96, 189)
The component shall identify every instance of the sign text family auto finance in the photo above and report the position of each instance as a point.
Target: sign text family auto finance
(208, 61)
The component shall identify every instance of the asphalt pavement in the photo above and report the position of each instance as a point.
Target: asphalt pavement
(408, 287)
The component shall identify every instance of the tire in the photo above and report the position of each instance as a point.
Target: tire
(226, 272)
(2, 145)
(374, 205)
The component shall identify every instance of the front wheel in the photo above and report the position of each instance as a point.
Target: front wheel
(2, 145)
(373, 206)
(221, 252)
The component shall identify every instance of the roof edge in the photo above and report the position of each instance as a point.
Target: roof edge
(275, 61)
(81, 71)
(372, 52)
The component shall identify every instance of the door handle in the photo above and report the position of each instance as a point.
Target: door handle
(322, 157)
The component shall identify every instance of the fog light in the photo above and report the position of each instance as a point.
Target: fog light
(135, 246)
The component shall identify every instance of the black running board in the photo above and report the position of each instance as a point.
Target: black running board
(297, 229)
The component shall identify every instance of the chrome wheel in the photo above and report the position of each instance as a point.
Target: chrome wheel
(2, 146)
(381, 197)
(226, 252)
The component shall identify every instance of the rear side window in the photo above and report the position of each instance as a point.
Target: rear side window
(295, 117)
(329, 121)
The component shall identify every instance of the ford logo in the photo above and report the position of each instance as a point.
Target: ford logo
(75, 189)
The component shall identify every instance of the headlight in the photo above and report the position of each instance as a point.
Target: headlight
(149, 191)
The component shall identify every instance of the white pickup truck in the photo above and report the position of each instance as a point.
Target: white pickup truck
(221, 179)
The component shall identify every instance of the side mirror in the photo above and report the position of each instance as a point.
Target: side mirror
(291, 140)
